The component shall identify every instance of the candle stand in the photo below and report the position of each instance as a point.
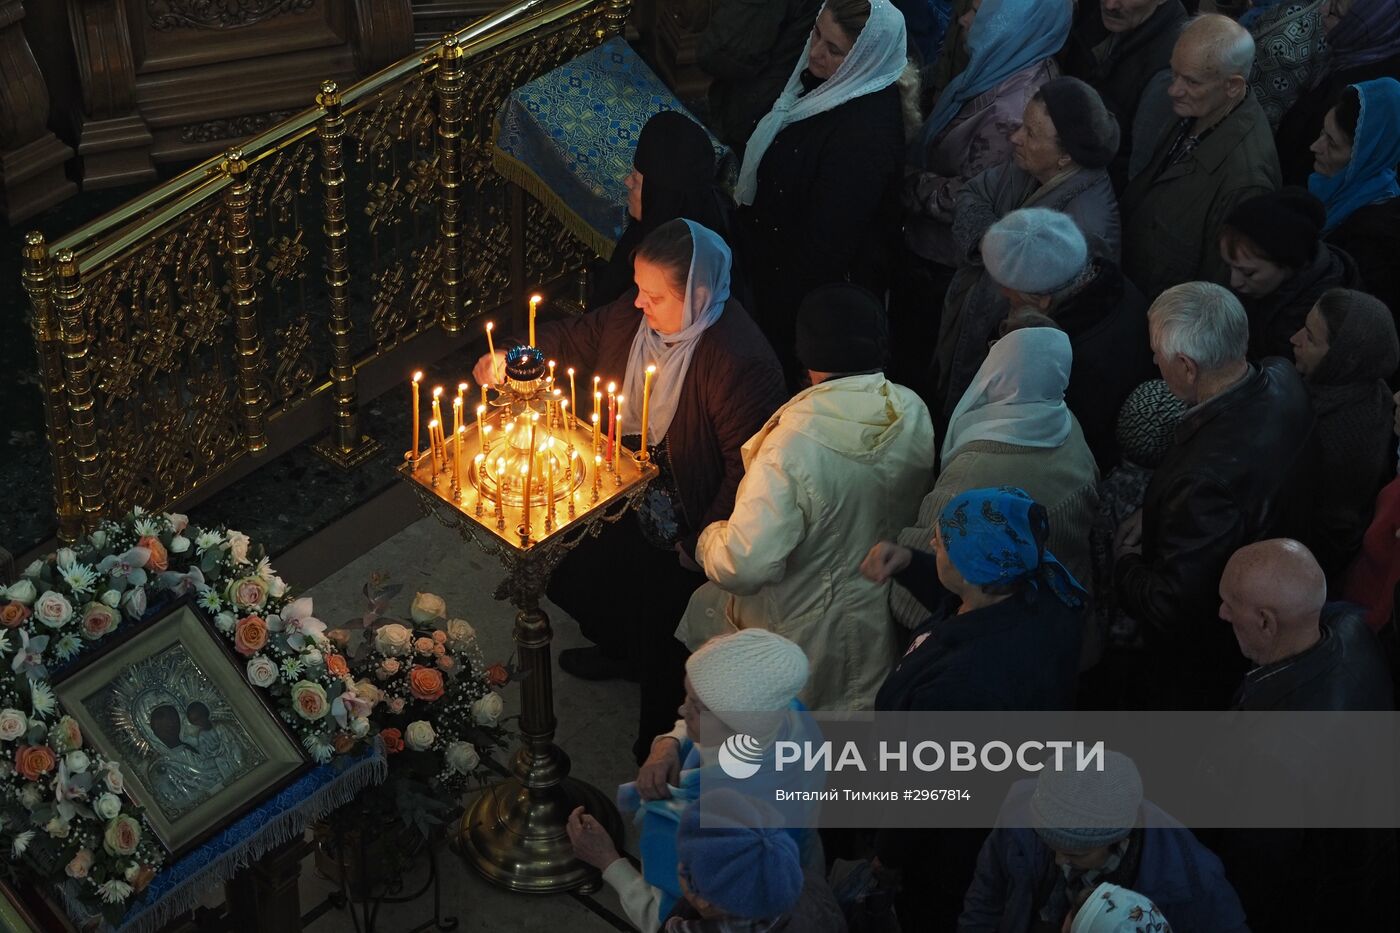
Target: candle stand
(531, 488)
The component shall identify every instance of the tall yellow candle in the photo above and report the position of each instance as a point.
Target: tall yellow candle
(490, 347)
(500, 491)
(595, 432)
(569, 480)
(534, 306)
(646, 407)
(417, 378)
(459, 442)
(551, 372)
(456, 415)
(481, 426)
(549, 489)
(597, 474)
(597, 395)
(564, 416)
(617, 444)
(432, 445)
(479, 478)
(462, 388)
(529, 471)
(573, 396)
(526, 475)
(437, 405)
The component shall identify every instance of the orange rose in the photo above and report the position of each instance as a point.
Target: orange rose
(249, 635)
(144, 874)
(497, 675)
(13, 614)
(159, 561)
(336, 665)
(445, 663)
(425, 684)
(393, 740)
(33, 761)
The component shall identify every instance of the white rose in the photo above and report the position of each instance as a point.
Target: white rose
(312, 656)
(487, 710)
(462, 757)
(58, 828)
(276, 587)
(111, 599)
(65, 558)
(77, 761)
(262, 672)
(359, 727)
(98, 539)
(225, 622)
(427, 607)
(419, 735)
(13, 724)
(22, 592)
(114, 780)
(178, 522)
(134, 601)
(460, 634)
(30, 796)
(238, 547)
(179, 544)
(393, 640)
(108, 806)
(53, 609)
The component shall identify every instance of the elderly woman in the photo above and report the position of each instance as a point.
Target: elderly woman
(717, 382)
(816, 189)
(1006, 615)
(1363, 37)
(1060, 154)
(1011, 44)
(1013, 428)
(1279, 265)
(754, 672)
(1345, 351)
(1354, 161)
(1039, 260)
(673, 175)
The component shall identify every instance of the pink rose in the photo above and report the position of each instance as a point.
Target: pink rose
(78, 867)
(445, 663)
(424, 646)
(53, 609)
(98, 620)
(248, 592)
(309, 700)
(122, 837)
(396, 705)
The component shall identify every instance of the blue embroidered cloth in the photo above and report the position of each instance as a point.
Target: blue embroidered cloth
(568, 137)
(285, 816)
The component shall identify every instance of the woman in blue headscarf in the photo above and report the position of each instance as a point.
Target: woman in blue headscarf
(1354, 161)
(717, 382)
(1011, 46)
(1006, 615)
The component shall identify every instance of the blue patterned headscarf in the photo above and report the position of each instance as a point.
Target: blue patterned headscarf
(1375, 149)
(997, 536)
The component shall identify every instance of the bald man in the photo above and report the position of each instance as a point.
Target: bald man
(1310, 656)
(1307, 655)
(1219, 152)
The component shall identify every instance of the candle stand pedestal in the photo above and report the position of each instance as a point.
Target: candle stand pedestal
(514, 834)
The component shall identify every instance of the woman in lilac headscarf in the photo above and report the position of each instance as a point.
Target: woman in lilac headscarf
(1364, 39)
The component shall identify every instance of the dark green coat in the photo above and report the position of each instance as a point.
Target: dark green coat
(1172, 216)
(749, 48)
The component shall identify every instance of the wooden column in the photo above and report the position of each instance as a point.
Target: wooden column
(31, 157)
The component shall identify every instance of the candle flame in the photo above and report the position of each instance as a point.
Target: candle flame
(418, 375)
(651, 368)
(612, 387)
(462, 386)
(571, 370)
(437, 391)
(481, 409)
(490, 326)
(534, 299)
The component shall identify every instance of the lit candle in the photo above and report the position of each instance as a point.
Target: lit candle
(462, 388)
(551, 372)
(552, 403)
(490, 347)
(456, 415)
(534, 306)
(646, 405)
(500, 491)
(617, 448)
(483, 396)
(481, 426)
(479, 476)
(573, 396)
(432, 444)
(437, 409)
(564, 415)
(595, 432)
(459, 443)
(417, 378)
(612, 420)
(597, 474)
(597, 396)
(569, 481)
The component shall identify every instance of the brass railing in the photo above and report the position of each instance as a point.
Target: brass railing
(185, 332)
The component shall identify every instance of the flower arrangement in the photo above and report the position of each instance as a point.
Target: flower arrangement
(62, 796)
(437, 706)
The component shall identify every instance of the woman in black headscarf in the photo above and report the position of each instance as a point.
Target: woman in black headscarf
(1345, 351)
(673, 176)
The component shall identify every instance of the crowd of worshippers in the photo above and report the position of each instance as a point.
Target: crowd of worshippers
(1039, 358)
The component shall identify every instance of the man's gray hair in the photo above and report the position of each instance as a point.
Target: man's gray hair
(1226, 44)
(1201, 321)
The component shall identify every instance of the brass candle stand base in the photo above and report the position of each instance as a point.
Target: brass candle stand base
(514, 833)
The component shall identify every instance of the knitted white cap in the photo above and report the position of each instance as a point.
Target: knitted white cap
(752, 670)
(1034, 250)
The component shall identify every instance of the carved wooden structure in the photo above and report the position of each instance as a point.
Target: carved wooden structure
(141, 82)
(31, 157)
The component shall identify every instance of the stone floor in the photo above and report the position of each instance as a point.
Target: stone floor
(596, 721)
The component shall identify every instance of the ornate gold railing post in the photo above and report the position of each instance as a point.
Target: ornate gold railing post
(238, 237)
(615, 19)
(38, 281)
(345, 447)
(70, 301)
(448, 89)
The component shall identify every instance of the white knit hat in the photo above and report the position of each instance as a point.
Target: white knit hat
(752, 670)
(1034, 250)
(1114, 909)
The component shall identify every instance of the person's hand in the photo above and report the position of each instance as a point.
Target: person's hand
(686, 560)
(884, 561)
(1128, 540)
(661, 769)
(490, 370)
(592, 844)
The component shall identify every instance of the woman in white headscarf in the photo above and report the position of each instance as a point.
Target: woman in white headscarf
(1012, 428)
(716, 384)
(819, 183)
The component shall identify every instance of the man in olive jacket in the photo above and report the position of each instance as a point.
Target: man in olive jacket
(1218, 153)
(749, 48)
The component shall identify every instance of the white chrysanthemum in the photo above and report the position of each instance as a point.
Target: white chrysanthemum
(147, 526)
(263, 570)
(81, 578)
(67, 646)
(41, 699)
(292, 668)
(137, 511)
(21, 842)
(114, 891)
(207, 540)
(210, 601)
(318, 748)
(4, 644)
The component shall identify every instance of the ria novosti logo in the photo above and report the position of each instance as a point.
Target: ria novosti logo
(740, 756)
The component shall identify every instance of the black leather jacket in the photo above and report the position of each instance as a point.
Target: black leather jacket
(1245, 467)
(1345, 670)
